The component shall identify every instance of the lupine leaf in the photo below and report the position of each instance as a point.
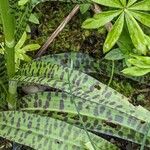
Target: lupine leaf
(44, 133)
(136, 71)
(55, 104)
(141, 5)
(100, 19)
(114, 34)
(144, 18)
(110, 3)
(123, 2)
(131, 2)
(135, 31)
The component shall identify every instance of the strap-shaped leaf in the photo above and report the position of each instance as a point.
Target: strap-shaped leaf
(44, 133)
(110, 3)
(3, 83)
(85, 63)
(144, 18)
(135, 31)
(114, 34)
(83, 86)
(100, 19)
(131, 2)
(141, 5)
(94, 115)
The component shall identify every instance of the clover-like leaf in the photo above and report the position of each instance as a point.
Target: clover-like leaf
(114, 34)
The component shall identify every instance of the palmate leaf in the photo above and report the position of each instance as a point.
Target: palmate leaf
(135, 31)
(144, 18)
(141, 5)
(44, 133)
(85, 63)
(136, 71)
(114, 3)
(96, 117)
(130, 2)
(123, 2)
(3, 83)
(100, 19)
(114, 34)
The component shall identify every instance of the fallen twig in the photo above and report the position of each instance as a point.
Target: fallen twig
(57, 31)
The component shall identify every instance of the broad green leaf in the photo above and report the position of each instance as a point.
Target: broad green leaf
(22, 2)
(136, 71)
(55, 104)
(100, 19)
(131, 2)
(144, 18)
(33, 18)
(141, 5)
(144, 59)
(110, 3)
(139, 63)
(136, 34)
(82, 84)
(114, 34)
(123, 2)
(21, 41)
(31, 47)
(114, 54)
(84, 8)
(124, 42)
(44, 133)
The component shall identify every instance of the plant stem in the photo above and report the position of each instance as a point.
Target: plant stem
(8, 27)
(9, 31)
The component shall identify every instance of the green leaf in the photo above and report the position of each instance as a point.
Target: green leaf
(114, 54)
(131, 2)
(33, 19)
(100, 19)
(148, 41)
(114, 34)
(22, 2)
(59, 105)
(139, 63)
(110, 3)
(123, 2)
(21, 41)
(136, 34)
(31, 47)
(84, 8)
(144, 59)
(135, 71)
(44, 132)
(144, 18)
(141, 5)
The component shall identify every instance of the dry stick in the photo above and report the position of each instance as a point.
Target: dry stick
(57, 31)
(97, 10)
